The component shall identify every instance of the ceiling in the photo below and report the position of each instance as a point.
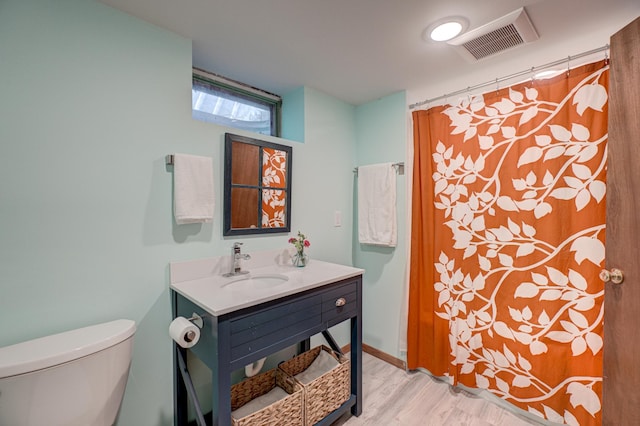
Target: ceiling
(355, 50)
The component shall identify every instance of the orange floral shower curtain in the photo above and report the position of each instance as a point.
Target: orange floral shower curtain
(508, 240)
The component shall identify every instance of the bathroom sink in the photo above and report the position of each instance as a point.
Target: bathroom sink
(256, 282)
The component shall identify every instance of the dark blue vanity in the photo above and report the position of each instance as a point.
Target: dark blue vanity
(231, 340)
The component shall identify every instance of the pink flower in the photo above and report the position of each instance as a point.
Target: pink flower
(300, 242)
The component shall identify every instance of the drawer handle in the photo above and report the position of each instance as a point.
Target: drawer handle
(341, 302)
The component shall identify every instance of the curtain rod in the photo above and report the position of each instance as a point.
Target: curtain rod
(512, 76)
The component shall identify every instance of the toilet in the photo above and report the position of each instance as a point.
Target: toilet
(73, 378)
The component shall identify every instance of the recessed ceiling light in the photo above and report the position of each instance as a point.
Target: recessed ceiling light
(445, 29)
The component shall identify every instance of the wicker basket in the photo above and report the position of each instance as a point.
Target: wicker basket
(285, 412)
(326, 393)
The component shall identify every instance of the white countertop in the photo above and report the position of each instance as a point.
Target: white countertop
(203, 283)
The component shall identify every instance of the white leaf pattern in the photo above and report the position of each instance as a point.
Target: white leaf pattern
(530, 155)
(578, 346)
(502, 385)
(594, 341)
(521, 381)
(584, 396)
(554, 152)
(507, 204)
(542, 140)
(528, 114)
(482, 382)
(552, 415)
(577, 280)
(527, 290)
(592, 96)
(542, 210)
(582, 199)
(504, 106)
(515, 96)
(587, 248)
(580, 132)
(537, 348)
(560, 133)
(531, 93)
(598, 189)
(525, 249)
(570, 419)
(581, 171)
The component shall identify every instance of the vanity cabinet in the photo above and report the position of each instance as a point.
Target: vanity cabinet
(235, 339)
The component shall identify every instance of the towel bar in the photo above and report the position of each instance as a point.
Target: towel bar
(398, 166)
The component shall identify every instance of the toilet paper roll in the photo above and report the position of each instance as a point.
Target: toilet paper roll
(184, 332)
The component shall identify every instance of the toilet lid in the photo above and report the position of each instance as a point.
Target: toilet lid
(59, 348)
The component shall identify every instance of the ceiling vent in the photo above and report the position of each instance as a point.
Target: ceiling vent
(512, 30)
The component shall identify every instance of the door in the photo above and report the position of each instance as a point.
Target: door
(621, 385)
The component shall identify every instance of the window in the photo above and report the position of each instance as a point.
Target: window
(222, 101)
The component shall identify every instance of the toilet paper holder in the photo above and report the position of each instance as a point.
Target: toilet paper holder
(198, 322)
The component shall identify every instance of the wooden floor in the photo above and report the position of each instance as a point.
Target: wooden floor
(395, 397)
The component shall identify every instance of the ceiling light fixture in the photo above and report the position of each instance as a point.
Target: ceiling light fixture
(445, 29)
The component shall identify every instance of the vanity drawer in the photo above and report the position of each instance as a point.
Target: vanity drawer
(340, 303)
(272, 313)
(275, 324)
(258, 330)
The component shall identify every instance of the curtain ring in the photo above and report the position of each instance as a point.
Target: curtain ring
(533, 75)
(568, 65)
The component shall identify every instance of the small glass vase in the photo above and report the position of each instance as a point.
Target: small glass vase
(300, 259)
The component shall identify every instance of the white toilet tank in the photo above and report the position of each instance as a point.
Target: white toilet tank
(72, 378)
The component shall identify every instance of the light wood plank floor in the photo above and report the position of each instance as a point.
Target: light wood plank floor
(392, 396)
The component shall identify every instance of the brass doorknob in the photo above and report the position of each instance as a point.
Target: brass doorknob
(615, 276)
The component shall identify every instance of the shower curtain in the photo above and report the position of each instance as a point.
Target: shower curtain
(507, 240)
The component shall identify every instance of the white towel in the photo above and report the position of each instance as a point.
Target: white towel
(323, 363)
(192, 189)
(260, 402)
(377, 205)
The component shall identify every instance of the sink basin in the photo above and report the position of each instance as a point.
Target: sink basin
(256, 282)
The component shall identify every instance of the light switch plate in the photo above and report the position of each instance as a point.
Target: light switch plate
(337, 218)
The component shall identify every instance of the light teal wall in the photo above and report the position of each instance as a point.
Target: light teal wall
(91, 100)
(325, 173)
(292, 126)
(381, 137)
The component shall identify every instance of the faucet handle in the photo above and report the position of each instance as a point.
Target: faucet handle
(236, 250)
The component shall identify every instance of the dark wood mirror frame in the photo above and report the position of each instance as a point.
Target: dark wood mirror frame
(250, 183)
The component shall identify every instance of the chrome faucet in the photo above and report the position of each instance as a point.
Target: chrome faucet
(236, 256)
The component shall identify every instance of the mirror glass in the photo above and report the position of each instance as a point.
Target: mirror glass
(257, 186)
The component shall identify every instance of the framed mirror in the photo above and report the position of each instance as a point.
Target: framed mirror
(257, 186)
